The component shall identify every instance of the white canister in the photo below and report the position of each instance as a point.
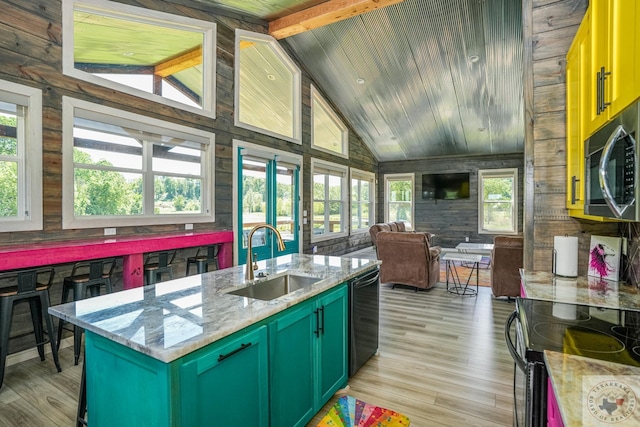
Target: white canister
(565, 256)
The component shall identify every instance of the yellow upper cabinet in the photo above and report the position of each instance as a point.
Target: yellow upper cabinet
(613, 57)
(575, 146)
(580, 84)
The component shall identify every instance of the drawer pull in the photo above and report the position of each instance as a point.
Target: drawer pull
(225, 356)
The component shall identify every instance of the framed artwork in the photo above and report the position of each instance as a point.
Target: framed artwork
(604, 257)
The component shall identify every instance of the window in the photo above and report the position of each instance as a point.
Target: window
(267, 87)
(328, 133)
(398, 197)
(20, 157)
(121, 168)
(498, 210)
(153, 55)
(329, 200)
(362, 200)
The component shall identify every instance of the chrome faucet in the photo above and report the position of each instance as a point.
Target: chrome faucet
(249, 273)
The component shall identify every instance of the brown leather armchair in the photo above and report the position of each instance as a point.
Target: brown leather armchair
(506, 260)
(395, 226)
(408, 259)
(385, 226)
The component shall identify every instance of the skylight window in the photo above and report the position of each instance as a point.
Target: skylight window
(157, 56)
(328, 133)
(267, 97)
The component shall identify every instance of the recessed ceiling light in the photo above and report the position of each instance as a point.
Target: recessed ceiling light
(271, 77)
(360, 80)
(474, 58)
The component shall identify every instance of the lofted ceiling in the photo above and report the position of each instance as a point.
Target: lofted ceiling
(418, 78)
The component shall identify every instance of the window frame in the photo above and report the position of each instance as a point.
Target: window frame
(343, 172)
(29, 159)
(400, 177)
(123, 11)
(318, 101)
(297, 86)
(498, 173)
(371, 178)
(144, 123)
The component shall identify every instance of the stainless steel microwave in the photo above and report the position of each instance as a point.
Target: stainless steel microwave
(611, 168)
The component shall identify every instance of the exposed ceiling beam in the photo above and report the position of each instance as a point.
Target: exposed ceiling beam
(179, 63)
(323, 14)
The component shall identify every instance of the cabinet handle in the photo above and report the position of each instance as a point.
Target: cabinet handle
(225, 356)
(574, 181)
(604, 75)
(322, 319)
(598, 93)
(317, 331)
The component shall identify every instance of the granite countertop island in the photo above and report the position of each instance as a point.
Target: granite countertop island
(593, 392)
(171, 319)
(583, 290)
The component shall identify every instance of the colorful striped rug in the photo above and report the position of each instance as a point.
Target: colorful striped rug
(351, 412)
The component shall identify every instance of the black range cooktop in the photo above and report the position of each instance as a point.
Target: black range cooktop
(599, 333)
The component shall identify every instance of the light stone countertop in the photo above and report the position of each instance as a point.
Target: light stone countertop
(593, 392)
(171, 319)
(593, 291)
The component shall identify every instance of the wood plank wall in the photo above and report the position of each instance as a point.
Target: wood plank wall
(549, 29)
(451, 220)
(31, 52)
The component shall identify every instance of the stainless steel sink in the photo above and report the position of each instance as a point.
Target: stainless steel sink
(275, 287)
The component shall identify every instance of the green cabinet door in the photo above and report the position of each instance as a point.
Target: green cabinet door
(126, 387)
(308, 357)
(292, 343)
(332, 370)
(226, 384)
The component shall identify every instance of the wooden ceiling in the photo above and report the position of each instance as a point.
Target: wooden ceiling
(414, 78)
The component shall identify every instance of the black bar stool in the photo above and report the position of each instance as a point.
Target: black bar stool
(202, 260)
(86, 279)
(156, 264)
(27, 289)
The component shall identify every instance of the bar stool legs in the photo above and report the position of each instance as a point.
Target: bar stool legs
(37, 295)
(82, 398)
(85, 280)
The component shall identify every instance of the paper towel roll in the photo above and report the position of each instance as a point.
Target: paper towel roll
(565, 256)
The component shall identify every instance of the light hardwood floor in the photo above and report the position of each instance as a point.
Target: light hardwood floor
(442, 361)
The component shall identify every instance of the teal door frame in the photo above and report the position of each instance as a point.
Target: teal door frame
(263, 245)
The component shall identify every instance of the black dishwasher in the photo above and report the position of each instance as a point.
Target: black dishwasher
(364, 318)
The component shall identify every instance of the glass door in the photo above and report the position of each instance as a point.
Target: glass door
(267, 194)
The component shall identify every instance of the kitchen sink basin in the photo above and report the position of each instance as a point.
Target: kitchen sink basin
(275, 287)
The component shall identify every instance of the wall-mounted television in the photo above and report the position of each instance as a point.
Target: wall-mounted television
(445, 186)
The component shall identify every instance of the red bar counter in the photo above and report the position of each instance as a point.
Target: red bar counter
(130, 248)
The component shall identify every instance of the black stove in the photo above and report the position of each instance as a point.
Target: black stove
(599, 333)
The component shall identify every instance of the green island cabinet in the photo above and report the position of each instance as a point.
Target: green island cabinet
(278, 372)
(306, 374)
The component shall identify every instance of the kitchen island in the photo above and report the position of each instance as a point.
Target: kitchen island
(186, 352)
